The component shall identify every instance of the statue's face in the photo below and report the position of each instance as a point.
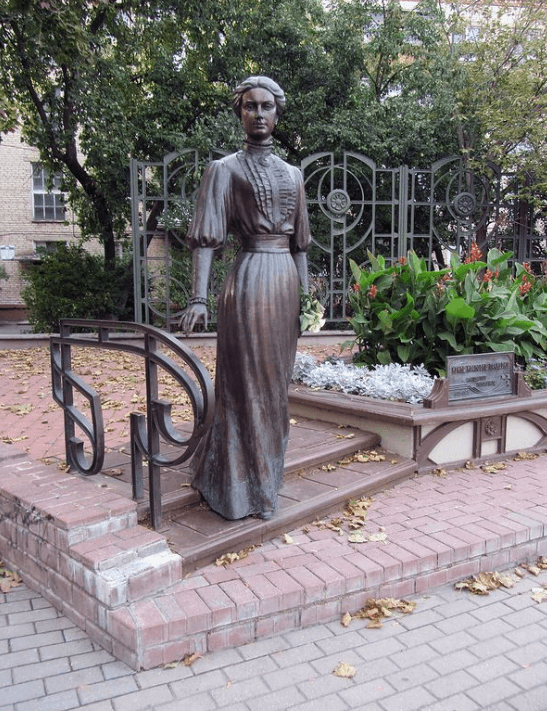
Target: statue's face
(258, 114)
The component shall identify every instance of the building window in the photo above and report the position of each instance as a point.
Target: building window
(48, 202)
(47, 247)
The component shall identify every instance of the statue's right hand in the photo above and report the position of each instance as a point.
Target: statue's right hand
(193, 314)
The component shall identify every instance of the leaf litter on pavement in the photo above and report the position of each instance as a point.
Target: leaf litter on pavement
(484, 583)
(117, 376)
(376, 610)
(351, 522)
(8, 579)
(229, 558)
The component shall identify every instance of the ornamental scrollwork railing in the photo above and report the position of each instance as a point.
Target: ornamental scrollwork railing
(147, 431)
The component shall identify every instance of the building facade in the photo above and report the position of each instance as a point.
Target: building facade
(33, 216)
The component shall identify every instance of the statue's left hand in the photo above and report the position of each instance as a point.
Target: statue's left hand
(192, 315)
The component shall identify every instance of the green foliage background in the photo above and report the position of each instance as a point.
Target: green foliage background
(93, 83)
(72, 283)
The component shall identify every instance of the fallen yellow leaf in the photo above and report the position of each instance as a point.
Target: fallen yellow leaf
(494, 467)
(526, 455)
(344, 670)
(346, 619)
(539, 594)
(189, 659)
(484, 583)
(376, 537)
(376, 609)
(8, 579)
(534, 569)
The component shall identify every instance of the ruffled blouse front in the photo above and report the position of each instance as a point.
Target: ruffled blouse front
(248, 194)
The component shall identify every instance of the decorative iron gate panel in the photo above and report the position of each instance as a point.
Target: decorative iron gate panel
(354, 207)
(162, 199)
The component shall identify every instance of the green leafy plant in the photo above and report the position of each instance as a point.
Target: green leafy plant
(535, 374)
(311, 313)
(72, 283)
(405, 313)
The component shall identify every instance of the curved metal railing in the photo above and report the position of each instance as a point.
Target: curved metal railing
(147, 431)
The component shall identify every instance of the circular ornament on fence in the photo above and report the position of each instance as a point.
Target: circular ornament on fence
(338, 202)
(464, 204)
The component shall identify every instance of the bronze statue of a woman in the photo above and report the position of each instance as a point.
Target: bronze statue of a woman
(254, 195)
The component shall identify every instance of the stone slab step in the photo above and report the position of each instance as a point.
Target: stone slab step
(311, 443)
(199, 535)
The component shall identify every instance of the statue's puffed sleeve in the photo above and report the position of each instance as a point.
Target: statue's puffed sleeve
(301, 238)
(210, 223)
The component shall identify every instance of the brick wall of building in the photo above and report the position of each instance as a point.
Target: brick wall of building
(17, 227)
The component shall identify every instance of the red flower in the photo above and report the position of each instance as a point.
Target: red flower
(402, 260)
(488, 276)
(357, 287)
(525, 287)
(474, 254)
(527, 266)
(372, 291)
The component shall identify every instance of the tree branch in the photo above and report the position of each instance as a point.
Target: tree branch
(36, 100)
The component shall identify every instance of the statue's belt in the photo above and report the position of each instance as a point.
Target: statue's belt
(267, 243)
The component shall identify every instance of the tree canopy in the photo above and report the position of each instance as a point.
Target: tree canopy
(93, 83)
(501, 107)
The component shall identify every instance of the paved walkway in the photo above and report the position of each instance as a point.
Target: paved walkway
(456, 652)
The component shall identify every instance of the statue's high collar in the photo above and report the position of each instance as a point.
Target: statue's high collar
(262, 149)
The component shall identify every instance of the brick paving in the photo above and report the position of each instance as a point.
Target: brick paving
(456, 652)
(30, 418)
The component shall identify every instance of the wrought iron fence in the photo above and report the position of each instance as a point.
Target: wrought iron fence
(354, 206)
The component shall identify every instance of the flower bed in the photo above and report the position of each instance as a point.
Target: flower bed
(404, 383)
(388, 401)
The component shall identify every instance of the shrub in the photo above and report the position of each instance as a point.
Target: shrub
(407, 314)
(72, 283)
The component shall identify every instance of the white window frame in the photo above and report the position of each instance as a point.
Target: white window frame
(48, 201)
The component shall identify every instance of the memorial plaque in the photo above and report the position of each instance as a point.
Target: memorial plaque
(481, 375)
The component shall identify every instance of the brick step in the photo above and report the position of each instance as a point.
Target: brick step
(119, 548)
(125, 566)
